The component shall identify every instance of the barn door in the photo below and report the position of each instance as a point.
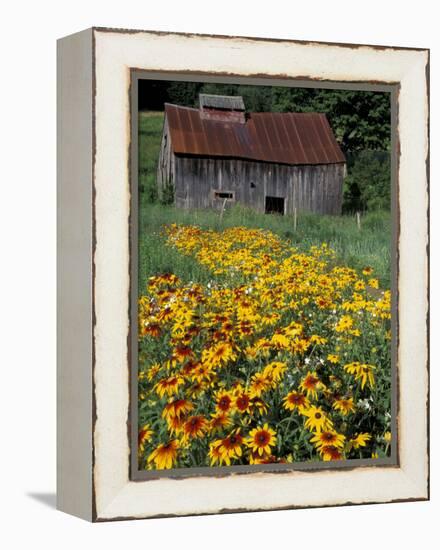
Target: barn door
(274, 205)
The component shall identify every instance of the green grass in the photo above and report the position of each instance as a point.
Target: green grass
(369, 246)
(150, 134)
(355, 248)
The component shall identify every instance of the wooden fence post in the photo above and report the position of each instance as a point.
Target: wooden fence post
(223, 209)
(358, 220)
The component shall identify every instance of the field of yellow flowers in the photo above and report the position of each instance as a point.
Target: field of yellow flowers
(282, 356)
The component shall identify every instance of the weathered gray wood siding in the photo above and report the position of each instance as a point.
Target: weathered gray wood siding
(165, 165)
(313, 188)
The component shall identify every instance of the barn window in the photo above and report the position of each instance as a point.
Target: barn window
(223, 194)
(274, 205)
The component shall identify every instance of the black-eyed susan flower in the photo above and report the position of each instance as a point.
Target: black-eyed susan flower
(359, 285)
(318, 340)
(310, 384)
(218, 354)
(245, 329)
(317, 420)
(280, 341)
(168, 386)
(327, 438)
(182, 353)
(164, 455)
(344, 406)
(214, 453)
(153, 371)
(144, 436)
(219, 421)
(331, 452)
(177, 409)
(259, 405)
(175, 424)
(195, 426)
(275, 371)
(362, 372)
(231, 447)
(151, 329)
(344, 324)
(224, 400)
(202, 373)
(261, 439)
(373, 283)
(242, 401)
(361, 440)
(256, 458)
(260, 383)
(296, 401)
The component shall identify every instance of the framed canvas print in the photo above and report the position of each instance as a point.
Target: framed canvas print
(242, 274)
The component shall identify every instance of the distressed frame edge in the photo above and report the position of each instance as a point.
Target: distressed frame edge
(351, 45)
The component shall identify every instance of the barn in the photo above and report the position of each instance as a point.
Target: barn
(219, 154)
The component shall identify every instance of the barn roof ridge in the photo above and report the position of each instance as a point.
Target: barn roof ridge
(292, 138)
(251, 113)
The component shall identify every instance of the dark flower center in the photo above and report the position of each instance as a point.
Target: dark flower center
(224, 402)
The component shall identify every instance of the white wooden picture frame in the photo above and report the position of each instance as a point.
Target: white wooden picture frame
(95, 71)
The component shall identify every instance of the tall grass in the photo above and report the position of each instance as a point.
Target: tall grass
(368, 246)
(150, 134)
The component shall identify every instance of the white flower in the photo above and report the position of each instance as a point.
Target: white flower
(364, 404)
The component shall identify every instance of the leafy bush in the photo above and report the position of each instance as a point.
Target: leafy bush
(167, 194)
(368, 184)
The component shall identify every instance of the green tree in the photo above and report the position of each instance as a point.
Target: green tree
(184, 93)
(360, 120)
(368, 184)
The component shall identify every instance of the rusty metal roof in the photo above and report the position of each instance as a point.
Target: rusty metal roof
(287, 138)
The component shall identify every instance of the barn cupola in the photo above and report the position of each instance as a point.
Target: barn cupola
(222, 108)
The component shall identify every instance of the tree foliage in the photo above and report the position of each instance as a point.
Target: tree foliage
(361, 122)
(367, 186)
